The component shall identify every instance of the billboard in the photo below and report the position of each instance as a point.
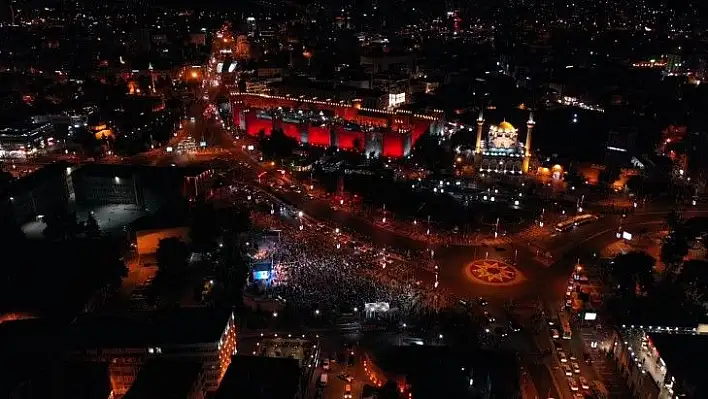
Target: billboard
(260, 275)
(590, 316)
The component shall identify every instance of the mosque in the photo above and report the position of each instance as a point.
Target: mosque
(502, 151)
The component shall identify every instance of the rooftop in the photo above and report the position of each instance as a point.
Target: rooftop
(182, 326)
(427, 368)
(257, 377)
(44, 378)
(26, 130)
(36, 178)
(112, 170)
(165, 378)
(684, 356)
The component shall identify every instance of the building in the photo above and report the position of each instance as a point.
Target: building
(56, 379)
(127, 342)
(428, 371)
(256, 377)
(502, 150)
(60, 185)
(169, 379)
(662, 362)
(26, 141)
(330, 123)
(385, 62)
(143, 186)
(39, 193)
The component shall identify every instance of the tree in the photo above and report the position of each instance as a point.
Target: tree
(277, 145)
(674, 248)
(204, 228)
(633, 272)
(61, 224)
(172, 254)
(635, 184)
(609, 175)
(235, 220)
(428, 151)
(694, 280)
(574, 179)
(358, 145)
(91, 227)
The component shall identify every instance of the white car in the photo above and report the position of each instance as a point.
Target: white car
(573, 384)
(576, 367)
(584, 383)
(490, 318)
(567, 370)
(554, 333)
(562, 357)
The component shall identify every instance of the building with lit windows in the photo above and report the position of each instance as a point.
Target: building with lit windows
(424, 371)
(27, 141)
(502, 150)
(122, 345)
(662, 362)
(127, 342)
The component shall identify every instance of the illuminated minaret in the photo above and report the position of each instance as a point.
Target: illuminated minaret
(527, 148)
(480, 126)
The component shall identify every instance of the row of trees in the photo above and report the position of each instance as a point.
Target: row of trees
(219, 236)
(682, 287)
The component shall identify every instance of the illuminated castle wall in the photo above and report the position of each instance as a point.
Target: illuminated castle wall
(378, 132)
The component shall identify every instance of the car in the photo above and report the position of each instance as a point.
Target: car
(573, 384)
(490, 318)
(558, 346)
(562, 357)
(576, 367)
(347, 391)
(554, 333)
(567, 370)
(325, 364)
(514, 326)
(584, 383)
(482, 302)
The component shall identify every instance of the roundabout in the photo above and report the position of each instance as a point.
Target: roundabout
(493, 272)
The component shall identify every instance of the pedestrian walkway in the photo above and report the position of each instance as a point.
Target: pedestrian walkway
(605, 366)
(534, 232)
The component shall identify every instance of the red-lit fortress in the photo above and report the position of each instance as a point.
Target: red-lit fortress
(325, 123)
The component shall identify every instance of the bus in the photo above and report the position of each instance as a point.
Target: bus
(565, 325)
(575, 221)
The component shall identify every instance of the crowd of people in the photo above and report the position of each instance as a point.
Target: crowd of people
(320, 268)
(324, 270)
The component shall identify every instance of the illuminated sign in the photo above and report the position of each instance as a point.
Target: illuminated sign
(590, 316)
(627, 236)
(261, 275)
(396, 99)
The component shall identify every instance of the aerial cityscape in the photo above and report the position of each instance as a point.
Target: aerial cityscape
(353, 199)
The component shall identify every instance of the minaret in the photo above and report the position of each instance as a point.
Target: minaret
(480, 126)
(527, 148)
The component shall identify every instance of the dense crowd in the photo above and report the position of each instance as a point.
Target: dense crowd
(318, 268)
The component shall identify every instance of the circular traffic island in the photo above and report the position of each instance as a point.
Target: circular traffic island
(493, 272)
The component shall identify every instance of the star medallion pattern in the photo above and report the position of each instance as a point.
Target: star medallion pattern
(493, 271)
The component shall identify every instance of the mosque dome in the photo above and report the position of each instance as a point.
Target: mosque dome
(506, 127)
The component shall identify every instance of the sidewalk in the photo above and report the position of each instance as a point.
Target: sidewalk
(604, 367)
